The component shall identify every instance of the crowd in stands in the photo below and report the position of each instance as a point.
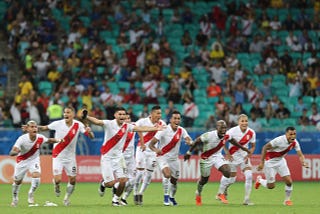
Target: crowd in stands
(211, 60)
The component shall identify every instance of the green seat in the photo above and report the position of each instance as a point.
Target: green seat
(274, 122)
(213, 100)
(247, 107)
(124, 85)
(201, 100)
(200, 122)
(308, 100)
(46, 87)
(289, 122)
(199, 93)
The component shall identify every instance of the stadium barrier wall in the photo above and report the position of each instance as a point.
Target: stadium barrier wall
(89, 169)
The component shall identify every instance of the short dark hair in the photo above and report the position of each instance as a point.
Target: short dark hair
(176, 112)
(290, 128)
(119, 109)
(156, 108)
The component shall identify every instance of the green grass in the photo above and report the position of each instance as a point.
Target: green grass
(86, 200)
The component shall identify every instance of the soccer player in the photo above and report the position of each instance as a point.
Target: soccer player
(64, 154)
(112, 161)
(167, 155)
(28, 159)
(212, 143)
(246, 137)
(145, 158)
(273, 162)
(128, 153)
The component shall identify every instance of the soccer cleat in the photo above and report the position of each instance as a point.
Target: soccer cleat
(247, 203)
(198, 200)
(123, 202)
(66, 201)
(135, 199)
(14, 202)
(288, 203)
(56, 189)
(257, 184)
(166, 201)
(30, 198)
(140, 199)
(221, 197)
(173, 201)
(116, 204)
(101, 189)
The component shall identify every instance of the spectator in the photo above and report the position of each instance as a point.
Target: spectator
(315, 116)
(282, 112)
(211, 123)
(254, 123)
(213, 90)
(190, 112)
(304, 118)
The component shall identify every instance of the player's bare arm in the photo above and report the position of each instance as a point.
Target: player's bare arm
(228, 156)
(302, 159)
(189, 141)
(14, 151)
(89, 132)
(54, 140)
(192, 147)
(152, 146)
(142, 145)
(95, 121)
(234, 142)
(148, 128)
(43, 128)
(265, 148)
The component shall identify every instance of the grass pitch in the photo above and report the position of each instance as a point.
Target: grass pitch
(86, 200)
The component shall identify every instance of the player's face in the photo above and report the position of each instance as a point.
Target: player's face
(68, 115)
(120, 116)
(243, 123)
(32, 129)
(222, 129)
(175, 120)
(156, 115)
(128, 119)
(291, 135)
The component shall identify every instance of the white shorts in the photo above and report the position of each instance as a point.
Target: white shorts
(145, 159)
(70, 166)
(113, 168)
(271, 169)
(236, 163)
(172, 164)
(131, 166)
(215, 160)
(23, 167)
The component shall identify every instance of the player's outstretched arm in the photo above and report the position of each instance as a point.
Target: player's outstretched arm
(14, 151)
(148, 128)
(265, 148)
(54, 140)
(234, 142)
(192, 147)
(302, 159)
(152, 146)
(95, 121)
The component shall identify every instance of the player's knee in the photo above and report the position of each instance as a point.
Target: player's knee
(203, 180)
(173, 181)
(271, 185)
(248, 175)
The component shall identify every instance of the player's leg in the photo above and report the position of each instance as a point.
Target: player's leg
(108, 179)
(226, 182)
(71, 171)
(140, 168)
(205, 169)
(166, 174)
(269, 181)
(131, 178)
(174, 176)
(120, 171)
(57, 167)
(284, 172)
(19, 173)
(246, 168)
(35, 171)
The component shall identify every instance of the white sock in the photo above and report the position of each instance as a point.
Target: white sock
(248, 184)
(15, 190)
(115, 198)
(288, 190)
(224, 182)
(173, 189)
(263, 182)
(137, 181)
(165, 185)
(128, 188)
(35, 182)
(116, 185)
(146, 181)
(70, 189)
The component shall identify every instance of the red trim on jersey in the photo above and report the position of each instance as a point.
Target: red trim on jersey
(66, 140)
(128, 139)
(149, 135)
(114, 140)
(33, 150)
(205, 155)
(270, 155)
(243, 141)
(189, 108)
(172, 143)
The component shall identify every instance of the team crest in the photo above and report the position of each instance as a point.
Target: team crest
(73, 131)
(123, 129)
(248, 137)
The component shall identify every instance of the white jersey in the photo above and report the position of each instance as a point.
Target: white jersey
(243, 138)
(170, 141)
(212, 144)
(114, 138)
(280, 147)
(147, 136)
(29, 150)
(128, 147)
(66, 149)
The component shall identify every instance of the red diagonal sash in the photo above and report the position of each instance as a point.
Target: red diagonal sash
(149, 86)
(66, 140)
(149, 135)
(270, 155)
(205, 155)
(33, 150)
(189, 108)
(243, 141)
(114, 140)
(172, 143)
(128, 139)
